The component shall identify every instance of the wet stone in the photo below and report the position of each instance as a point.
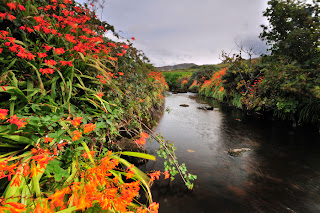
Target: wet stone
(184, 105)
(237, 152)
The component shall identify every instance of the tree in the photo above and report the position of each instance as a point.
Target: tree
(294, 30)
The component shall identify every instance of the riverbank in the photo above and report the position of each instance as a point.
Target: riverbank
(69, 96)
(262, 86)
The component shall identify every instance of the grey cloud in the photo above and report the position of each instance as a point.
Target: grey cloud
(187, 31)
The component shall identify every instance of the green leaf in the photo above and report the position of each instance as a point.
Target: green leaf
(54, 167)
(18, 138)
(139, 155)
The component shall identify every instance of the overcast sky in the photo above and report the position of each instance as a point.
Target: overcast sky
(188, 31)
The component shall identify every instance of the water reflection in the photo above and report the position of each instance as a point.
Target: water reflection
(281, 173)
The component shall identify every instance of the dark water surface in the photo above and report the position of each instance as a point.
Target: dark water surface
(281, 173)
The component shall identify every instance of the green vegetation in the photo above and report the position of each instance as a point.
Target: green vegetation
(174, 78)
(68, 95)
(294, 31)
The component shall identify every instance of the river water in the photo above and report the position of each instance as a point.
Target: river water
(281, 173)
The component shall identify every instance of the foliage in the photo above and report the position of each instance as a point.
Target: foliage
(294, 30)
(67, 95)
(195, 73)
(174, 78)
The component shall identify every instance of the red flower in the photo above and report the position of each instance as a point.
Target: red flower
(15, 120)
(100, 94)
(48, 140)
(30, 56)
(86, 155)
(120, 73)
(155, 175)
(141, 141)
(133, 38)
(125, 46)
(12, 5)
(46, 30)
(46, 71)
(58, 51)
(21, 7)
(46, 47)
(3, 15)
(65, 63)
(3, 113)
(22, 28)
(29, 30)
(37, 27)
(1, 50)
(50, 62)
(42, 55)
(11, 17)
(70, 38)
(14, 48)
(144, 135)
(112, 44)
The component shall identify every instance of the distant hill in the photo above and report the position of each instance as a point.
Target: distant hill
(176, 67)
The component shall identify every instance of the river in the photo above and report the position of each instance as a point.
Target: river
(281, 173)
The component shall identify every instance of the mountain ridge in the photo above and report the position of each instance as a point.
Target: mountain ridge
(176, 67)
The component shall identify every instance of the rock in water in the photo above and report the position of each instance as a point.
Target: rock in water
(205, 107)
(184, 105)
(237, 152)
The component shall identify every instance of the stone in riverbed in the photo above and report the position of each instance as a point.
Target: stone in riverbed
(237, 152)
(184, 105)
(205, 107)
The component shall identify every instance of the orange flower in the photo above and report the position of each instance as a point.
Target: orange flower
(144, 135)
(17, 207)
(141, 141)
(100, 94)
(65, 63)
(48, 140)
(58, 196)
(3, 113)
(15, 120)
(130, 172)
(155, 175)
(44, 209)
(86, 155)
(166, 174)
(89, 128)
(154, 207)
(76, 135)
(76, 122)
(16, 181)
